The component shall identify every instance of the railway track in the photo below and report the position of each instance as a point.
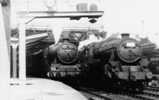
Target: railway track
(141, 95)
(146, 94)
(92, 95)
(150, 92)
(152, 88)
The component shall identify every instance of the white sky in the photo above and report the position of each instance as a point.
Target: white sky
(134, 16)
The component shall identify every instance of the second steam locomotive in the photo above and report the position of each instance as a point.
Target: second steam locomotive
(118, 60)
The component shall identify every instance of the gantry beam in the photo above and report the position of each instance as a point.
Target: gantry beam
(53, 14)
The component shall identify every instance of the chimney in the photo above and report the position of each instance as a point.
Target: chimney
(125, 35)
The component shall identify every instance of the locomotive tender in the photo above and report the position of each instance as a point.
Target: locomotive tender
(118, 59)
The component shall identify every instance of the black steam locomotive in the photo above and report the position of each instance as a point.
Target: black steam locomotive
(63, 57)
(118, 60)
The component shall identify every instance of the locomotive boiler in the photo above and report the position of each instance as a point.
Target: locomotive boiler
(119, 60)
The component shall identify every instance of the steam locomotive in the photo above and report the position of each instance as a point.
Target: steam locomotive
(118, 61)
(63, 57)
